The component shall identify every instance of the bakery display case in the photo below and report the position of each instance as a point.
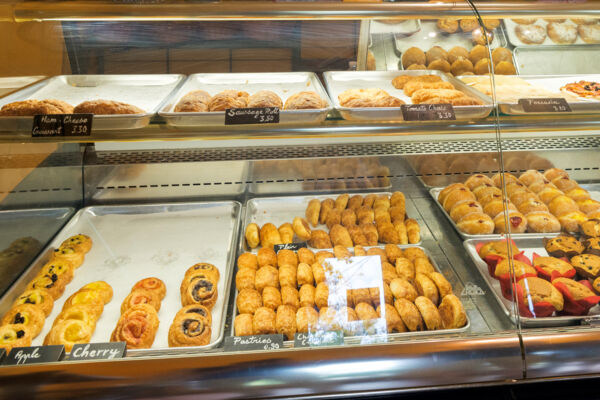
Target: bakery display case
(216, 198)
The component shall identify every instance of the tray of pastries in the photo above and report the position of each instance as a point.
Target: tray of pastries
(327, 221)
(203, 98)
(455, 46)
(582, 92)
(396, 26)
(117, 101)
(538, 203)
(556, 278)
(142, 274)
(378, 95)
(552, 31)
(289, 292)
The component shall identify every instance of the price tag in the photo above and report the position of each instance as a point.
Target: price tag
(254, 342)
(545, 105)
(319, 338)
(244, 116)
(428, 112)
(289, 246)
(62, 125)
(98, 351)
(35, 355)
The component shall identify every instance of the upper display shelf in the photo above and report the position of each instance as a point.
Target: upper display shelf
(284, 9)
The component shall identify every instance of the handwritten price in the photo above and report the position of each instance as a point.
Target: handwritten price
(271, 346)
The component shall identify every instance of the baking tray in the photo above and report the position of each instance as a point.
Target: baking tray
(533, 60)
(279, 210)
(429, 35)
(283, 83)
(339, 81)
(515, 41)
(393, 336)
(139, 241)
(12, 83)
(396, 27)
(529, 245)
(147, 92)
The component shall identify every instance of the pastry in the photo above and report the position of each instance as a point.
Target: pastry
(578, 296)
(326, 206)
(478, 53)
(413, 253)
(286, 232)
(447, 25)
(554, 173)
(550, 268)
(457, 195)
(482, 66)
(244, 278)
(35, 107)
(531, 34)
(247, 261)
(365, 311)
(438, 96)
(423, 266)
(263, 322)
(357, 236)
(319, 239)
(79, 242)
(405, 269)
(402, 289)
(285, 321)
(514, 221)
(542, 222)
(561, 33)
(496, 207)
(341, 201)
(370, 232)
(578, 194)
(228, 99)
(588, 206)
(439, 65)
(426, 287)
(340, 236)
(14, 336)
(266, 256)
(548, 194)
(392, 318)
(467, 25)
(399, 82)
(189, 329)
(137, 327)
(321, 256)
(287, 257)
(301, 228)
(457, 53)
(55, 285)
(524, 21)
(452, 312)
(106, 107)
(449, 189)
(584, 21)
(304, 274)
(248, 301)
(531, 205)
(266, 276)
(413, 55)
(592, 245)
(482, 37)
(563, 246)
(141, 296)
(305, 256)
(89, 297)
(88, 314)
(322, 295)
(269, 235)
(506, 177)
(587, 265)
(69, 332)
(196, 101)
(287, 276)
(589, 33)
(304, 101)
(307, 295)
(155, 285)
(410, 314)
(538, 298)
(348, 218)
(564, 183)
(271, 298)
(355, 202)
(570, 221)
(500, 54)
(28, 315)
(242, 325)
(476, 224)
(198, 310)
(313, 210)
(70, 255)
(341, 252)
(264, 98)
(500, 248)
(444, 287)
(200, 291)
(414, 85)
(429, 313)
(491, 23)
(334, 217)
(505, 68)
(590, 228)
(307, 319)
(252, 235)
(290, 297)
(364, 98)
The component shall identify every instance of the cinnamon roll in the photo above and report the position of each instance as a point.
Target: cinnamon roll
(200, 291)
(189, 329)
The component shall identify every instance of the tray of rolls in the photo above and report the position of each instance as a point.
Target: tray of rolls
(378, 95)
(538, 203)
(325, 221)
(117, 101)
(555, 278)
(142, 274)
(288, 292)
(581, 92)
(203, 98)
(552, 31)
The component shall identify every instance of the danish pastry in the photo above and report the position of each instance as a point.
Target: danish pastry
(189, 329)
(70, 255)
(290, 297)
(304, 274)
(198, 310)
(200, 291)
(155, 285)
(137, 327)
(206, 269)
(271, 298)
(247, 261)
(141, 296)
(27, 315)
(266, 256)
(88, 297)
(248, 301)
(17, 335)
(285, 321)
(266, 276)
(287, 276)
(287, 257)
(79, 242)
(307, 295)
(69, 332)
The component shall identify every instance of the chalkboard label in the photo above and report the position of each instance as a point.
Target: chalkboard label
(289, 246)
(428, 112)
(319, 338)
(254, 342)
(62, 125)
(242, 116)
(35, 355)
(98, 351)
(545, 105)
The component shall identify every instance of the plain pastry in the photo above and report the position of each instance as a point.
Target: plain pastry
(304, 101)
(228, 99)
(34, 107)
(439, 96)
(196, 101)
(106, 107)
(360, 98)
(265, 98)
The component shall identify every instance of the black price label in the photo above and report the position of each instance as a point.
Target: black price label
(320, 338)
(428, 112)
(254, 342)
(35, 355)
(98, 351)
(289, 246)
(545, 105)
(62, 125)
(244, 116)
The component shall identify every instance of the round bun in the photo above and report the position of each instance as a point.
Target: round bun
(501, 54)
(456, 53)
(463, 208)
(436, 53)
(439, 65)
(495, 207)
(414, 55)
(461, 66)
(505, 68)
(457, 195)
(554, 173)
(477, 180)
(476, 223)
(542, 222)
(447, 25)
(517, 223)
(483, 67)
(477, 53)
(562, 33)
(531, 176)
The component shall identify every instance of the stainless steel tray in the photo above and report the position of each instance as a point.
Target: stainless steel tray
(533, 60)
(429, 35)
(390, 336)
(279, 210)
(140, 241)
(147, 92)
(529, 245)
(515, 41)
(283, 83)
(395, 27)
(11, 83)
(339, 81)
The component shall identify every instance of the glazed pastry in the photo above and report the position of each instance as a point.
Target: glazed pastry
(587, 265)
(319, 239)
(137, 327)
(266, 256)
(286, 232)
(141, 296)
(200, 291)
(531, 34)
(563, 246)
(263, 322)
(242, 325)
(402, 289)
(452, 312)
(92, 298)
(287, 257)
(305, 256)
(103, 288)
(307, 319)
(153, 284)
(304, 101)
(68, 333)
(79, 242)
(366, 98)
(307, 295)
(106, 107)
(248, 301)
(82, 312)
(208, 270)
(28, 315)
(14, 336)
(197, 310)
(51, 283)
(228, 99)
(271, 297)
(189, 329)
(290, 297)
(269, 235)
(266, 276)
(326, 206)
(252, 235)
(413, 55)
(589, 33)
(247, 261)
(476, 224)
(517, 223)
(304, 274)
(35, 107)
(301, 228)
(561, 33)
(426, 287)
(410, 314)
(196, 101)
(70, 255)
(405, 269)
(264, 98)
